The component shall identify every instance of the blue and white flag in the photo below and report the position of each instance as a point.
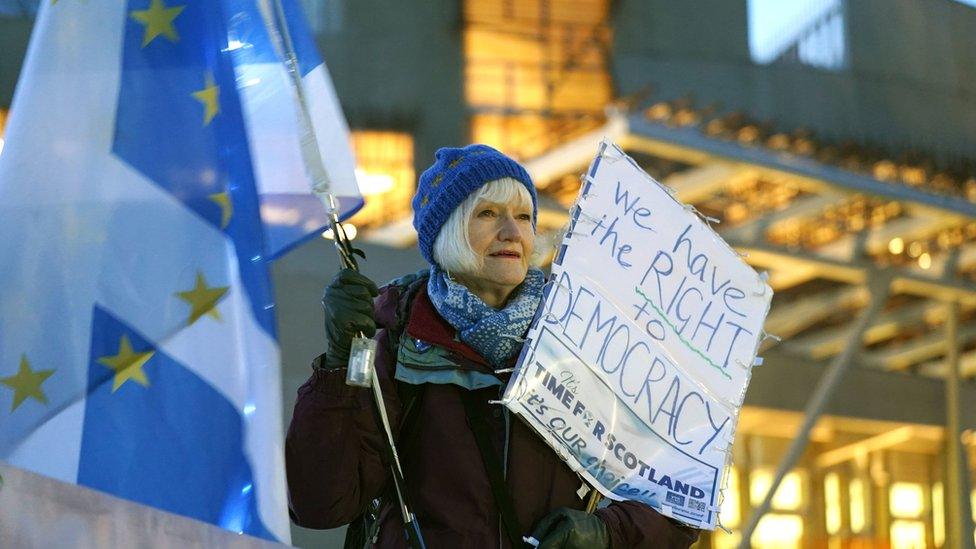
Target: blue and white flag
(150, 171)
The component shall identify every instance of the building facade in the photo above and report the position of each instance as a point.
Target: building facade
(837, 150)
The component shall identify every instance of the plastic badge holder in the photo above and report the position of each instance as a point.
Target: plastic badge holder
(361, 356)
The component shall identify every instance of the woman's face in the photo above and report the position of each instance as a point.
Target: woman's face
(501, 236)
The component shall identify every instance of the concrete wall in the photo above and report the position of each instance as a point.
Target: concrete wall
(911, 81)
(14, 35)
(398, 65)
(37, 511)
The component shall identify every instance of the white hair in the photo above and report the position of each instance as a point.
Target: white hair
(452, 247)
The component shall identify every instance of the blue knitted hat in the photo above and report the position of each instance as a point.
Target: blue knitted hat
(456, 173)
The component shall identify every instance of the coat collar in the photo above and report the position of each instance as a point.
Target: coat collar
(427, 325)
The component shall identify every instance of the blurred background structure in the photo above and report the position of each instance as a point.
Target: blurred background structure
(835, 141)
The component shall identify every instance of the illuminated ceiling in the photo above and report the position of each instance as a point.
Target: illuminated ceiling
(823, 221)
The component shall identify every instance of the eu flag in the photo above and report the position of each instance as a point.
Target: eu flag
(151, 170)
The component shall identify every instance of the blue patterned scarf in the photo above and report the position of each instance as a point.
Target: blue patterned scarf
(495, 334)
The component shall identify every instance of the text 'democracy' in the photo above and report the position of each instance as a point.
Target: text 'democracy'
(636, 366)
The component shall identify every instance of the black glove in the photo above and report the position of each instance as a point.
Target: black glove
(566, 528)
(348, 303)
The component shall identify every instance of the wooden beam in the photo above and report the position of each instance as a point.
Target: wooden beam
(851, 451)
(937, 368)
(701, 182)
(792, 318)
(829, 342)
(855, 272)
(921, 349)
(801, 208)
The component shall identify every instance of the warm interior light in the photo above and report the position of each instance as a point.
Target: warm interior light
(915, 249)
(938, 515)
(518, 74)
(925, 261)
(349, 228)
(779, 531)
(729, 513)
(855, 490)
(723, 540)
(385, 174)
(907, 534)
(373, 183)
(832, 502)
(788, 497)
(896, 246)
(906, 500)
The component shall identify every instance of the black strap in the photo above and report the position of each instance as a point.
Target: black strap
(493, 467)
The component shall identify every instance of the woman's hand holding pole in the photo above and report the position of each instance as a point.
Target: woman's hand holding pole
(348, 304)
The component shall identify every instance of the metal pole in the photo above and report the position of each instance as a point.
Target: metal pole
(959, 532)
(277, 26)
(820, 399)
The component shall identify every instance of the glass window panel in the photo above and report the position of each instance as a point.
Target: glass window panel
(857, 502)
(777, 531)
(729, 513)
(907, 534)
(789, 496)
(906, 500)
(972, 503)
(938, 515)
(808, 32)
(832, 502)
(385, 173)
(535, 71)
(526, 135)
(723, 540)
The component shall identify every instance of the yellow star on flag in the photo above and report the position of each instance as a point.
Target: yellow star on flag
(27, 383)
(158, 20)
(127, 364)
(210, 97)
(226, 207)
(203, 299)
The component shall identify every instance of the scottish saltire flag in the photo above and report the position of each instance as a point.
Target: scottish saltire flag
(150, 171)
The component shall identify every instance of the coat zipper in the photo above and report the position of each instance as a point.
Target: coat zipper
(501, 531)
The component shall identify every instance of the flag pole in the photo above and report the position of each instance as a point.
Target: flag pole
(277, 27)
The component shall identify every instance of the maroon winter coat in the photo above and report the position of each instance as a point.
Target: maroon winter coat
(333, 456)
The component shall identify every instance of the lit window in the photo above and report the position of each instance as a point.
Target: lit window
(324, 16)
(729, 513)
(385, 173)
(907, 534)
(808, 33)
(789, 496)
(938, 515)
(906, 500)
(972, 503)
(855, 491)
(832, 502)
(535, 74)
(721, 540)
(779, 532)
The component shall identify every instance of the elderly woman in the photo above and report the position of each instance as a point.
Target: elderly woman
(446, 336)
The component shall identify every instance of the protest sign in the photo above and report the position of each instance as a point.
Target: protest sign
(636, 365)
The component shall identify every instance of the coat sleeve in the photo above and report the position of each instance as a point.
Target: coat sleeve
(633, 524)
(334, 450)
